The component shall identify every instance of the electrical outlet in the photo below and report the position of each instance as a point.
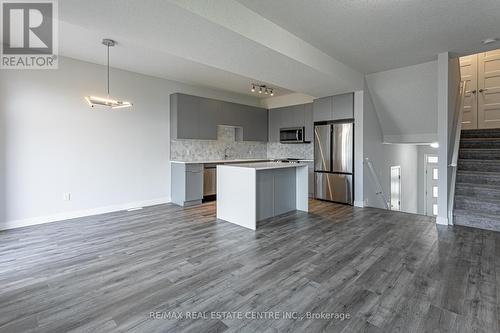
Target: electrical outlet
(67, 196)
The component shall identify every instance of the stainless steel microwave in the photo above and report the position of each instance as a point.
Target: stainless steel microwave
(292, 135)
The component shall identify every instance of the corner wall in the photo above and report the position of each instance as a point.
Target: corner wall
(52, 142)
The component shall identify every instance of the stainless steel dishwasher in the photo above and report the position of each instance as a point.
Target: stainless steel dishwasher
(209, 182)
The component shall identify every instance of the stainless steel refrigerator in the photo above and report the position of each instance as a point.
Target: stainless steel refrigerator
(333, 162)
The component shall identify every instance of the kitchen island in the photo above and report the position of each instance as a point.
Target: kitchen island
(251, 192)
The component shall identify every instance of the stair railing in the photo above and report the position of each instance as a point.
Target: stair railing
(455, 148)
(378, 186)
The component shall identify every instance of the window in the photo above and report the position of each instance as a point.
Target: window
(435, 209)
(432, 159)
(435, 174)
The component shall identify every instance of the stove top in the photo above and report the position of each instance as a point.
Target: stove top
(288, 160)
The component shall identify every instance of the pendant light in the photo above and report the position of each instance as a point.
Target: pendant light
(107, 101)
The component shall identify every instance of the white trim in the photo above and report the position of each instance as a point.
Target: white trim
(411, 138)
(358, 149)
(441, 220)
(80, 213)
(359, 204)
(443, 136)
(426, 190)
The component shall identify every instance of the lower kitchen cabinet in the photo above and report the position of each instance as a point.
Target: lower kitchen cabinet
(187, 183)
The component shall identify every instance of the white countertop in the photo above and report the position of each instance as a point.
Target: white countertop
(267, 165)
(241, 160)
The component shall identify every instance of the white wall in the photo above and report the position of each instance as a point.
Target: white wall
(405, 100)
(286, 100)
(383, 156)
(52, 142)
(448, 89)
(359, 179)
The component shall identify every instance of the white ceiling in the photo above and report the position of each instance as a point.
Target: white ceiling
(317, 48)
(85, 44)
(377, 35)
(182, 40)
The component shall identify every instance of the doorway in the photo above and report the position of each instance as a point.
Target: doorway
(396, 188)
(482, 99)
(431, 185)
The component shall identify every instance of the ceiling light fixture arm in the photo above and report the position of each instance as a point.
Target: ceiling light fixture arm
(109, 43)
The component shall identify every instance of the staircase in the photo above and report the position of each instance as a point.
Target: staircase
(477, 191)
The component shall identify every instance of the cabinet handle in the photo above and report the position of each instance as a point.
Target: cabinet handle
(483, 90)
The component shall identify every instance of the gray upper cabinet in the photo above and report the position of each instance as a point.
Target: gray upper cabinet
(343, 106)
(231, 114)
(308, 121)
(323, 109)
(334, 107)
(255, 124)
(276, 121)
(184, 116)
(290, 116)
(210, 113)
(295, 116)
(193, 117)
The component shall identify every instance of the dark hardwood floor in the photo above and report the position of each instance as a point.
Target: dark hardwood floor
(386, 271)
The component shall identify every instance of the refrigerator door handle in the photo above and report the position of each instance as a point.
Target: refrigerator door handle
(322, 148)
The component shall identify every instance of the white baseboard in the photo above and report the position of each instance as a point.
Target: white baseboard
(359, 203)
(81, 213)
(442, 220)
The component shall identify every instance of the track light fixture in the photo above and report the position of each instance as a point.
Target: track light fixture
(262, 89)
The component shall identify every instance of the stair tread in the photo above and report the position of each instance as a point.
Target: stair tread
(475, 198)
(479, 160)
(480, 139)
(473, 213)
(479, 173)
(476, 185)
(480, 150)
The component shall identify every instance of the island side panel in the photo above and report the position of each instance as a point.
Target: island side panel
(265, 194)
(284, 190)
(236, 195)
(302, 188)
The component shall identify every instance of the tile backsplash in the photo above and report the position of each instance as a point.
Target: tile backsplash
(199, 150)
(291, 150)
